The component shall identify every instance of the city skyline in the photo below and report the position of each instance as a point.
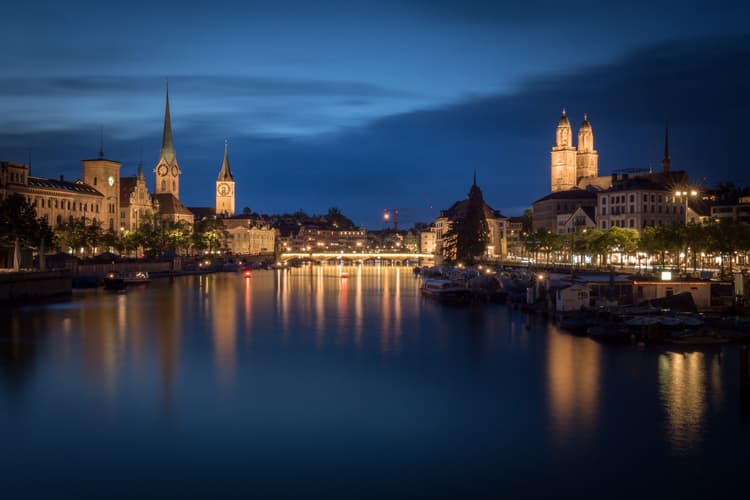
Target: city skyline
(380, 106)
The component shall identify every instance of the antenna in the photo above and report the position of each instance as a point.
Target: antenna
(101, 141)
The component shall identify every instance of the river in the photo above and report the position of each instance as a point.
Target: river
(304, 383)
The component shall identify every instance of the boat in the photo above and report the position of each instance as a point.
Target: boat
(136, 277)
(445, 291)
(114, 281)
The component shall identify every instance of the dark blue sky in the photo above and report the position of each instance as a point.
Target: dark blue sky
(374, 104)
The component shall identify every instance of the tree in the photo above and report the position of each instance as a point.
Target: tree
(467, 238)
(19, 226)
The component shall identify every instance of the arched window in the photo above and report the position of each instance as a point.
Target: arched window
(163, 185)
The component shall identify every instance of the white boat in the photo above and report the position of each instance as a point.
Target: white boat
(445, 290)
(135, 277)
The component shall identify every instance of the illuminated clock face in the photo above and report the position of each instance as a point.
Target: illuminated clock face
(175, 171)
(111, 181)
(162, 170)
(223, 189)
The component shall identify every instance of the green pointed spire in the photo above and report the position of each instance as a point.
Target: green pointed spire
(225, 174)
(167, 147)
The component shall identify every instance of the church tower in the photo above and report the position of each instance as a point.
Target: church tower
(666, 163)
(587, 159)
(563, 161)
(167, 170)
(225, 187)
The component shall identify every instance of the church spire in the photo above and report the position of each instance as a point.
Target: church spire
(475, 176)
(167, 147)
(225, 174)
(666, 163)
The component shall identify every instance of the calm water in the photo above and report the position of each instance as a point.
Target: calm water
(303, 384)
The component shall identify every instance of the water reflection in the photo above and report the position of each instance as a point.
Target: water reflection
(683, 383)
(574, 371)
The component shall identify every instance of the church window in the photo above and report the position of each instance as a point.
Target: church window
(174, 186)
(163, 185)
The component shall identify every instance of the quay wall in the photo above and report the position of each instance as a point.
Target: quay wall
(34, 285)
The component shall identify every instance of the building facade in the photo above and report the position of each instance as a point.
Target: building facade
(136, 203)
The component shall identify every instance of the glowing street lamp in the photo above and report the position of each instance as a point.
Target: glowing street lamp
(684, 196)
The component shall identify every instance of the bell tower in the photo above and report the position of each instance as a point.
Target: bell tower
(225, 187)
(167, 169)
(563, 157)
(587, 159)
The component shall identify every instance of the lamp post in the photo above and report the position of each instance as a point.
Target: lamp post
(684, 196)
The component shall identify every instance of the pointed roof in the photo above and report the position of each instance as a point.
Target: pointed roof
(167, 147)
(225, 174)
(666, 163)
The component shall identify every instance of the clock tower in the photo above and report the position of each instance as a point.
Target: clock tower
(167, 169)
(225, 187)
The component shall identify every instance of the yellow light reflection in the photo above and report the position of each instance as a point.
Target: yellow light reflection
(682, 386)
(573, 379)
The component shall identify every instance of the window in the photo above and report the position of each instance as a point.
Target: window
(632, 198)
(632, 209)
(604, 210)
(653, 198)
(645, 198)
(604, 224)
(604, 200)
(632, 223)
(660, 199)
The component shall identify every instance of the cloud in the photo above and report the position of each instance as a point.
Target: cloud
(426, 158)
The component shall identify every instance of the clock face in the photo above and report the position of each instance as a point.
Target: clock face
(111, 181)
(162, 170)
(223, 189)
(175, 170)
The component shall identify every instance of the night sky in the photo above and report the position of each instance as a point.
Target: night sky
(374, 104)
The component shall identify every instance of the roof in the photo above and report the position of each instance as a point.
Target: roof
(458, 211)
(127, 186)
(570, 194)
(225, 174)
(203, 212)
(168, 204)
(78, 186)
(167, 146)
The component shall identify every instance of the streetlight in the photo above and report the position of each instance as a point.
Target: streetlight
(684, 196)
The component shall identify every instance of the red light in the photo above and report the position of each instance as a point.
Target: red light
(248, 274)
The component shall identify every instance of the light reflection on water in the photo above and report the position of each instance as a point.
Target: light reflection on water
(357, 374)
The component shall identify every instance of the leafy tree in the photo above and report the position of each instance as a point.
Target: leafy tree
(19, 226)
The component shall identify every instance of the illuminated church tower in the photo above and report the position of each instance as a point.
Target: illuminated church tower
(587, 159)
(563, 161)
(167, 170)
(225, 187)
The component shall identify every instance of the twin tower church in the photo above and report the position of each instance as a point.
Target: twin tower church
(574, 166)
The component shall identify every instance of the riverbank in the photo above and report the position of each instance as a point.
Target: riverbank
(34, 285)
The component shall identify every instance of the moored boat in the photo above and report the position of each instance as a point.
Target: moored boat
(114, 282)
(136, 277)
(445, 291)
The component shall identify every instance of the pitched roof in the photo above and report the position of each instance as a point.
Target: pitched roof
(78, 186)
(570, 194)
(458, 211)
(168, 204)
(225, 174)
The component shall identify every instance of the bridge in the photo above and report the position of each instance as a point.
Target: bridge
(355, 256)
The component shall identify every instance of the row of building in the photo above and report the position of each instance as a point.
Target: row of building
(579, 199)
